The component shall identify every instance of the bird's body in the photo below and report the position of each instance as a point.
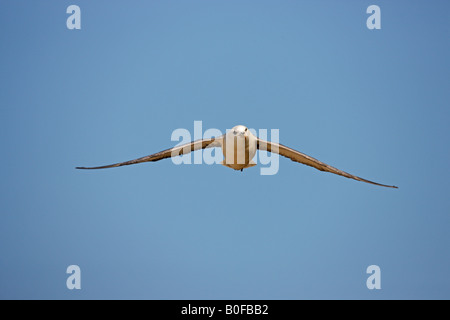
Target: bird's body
(239, 147)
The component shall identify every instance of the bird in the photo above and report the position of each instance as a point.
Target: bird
(239, 146)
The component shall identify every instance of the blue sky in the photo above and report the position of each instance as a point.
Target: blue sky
(371, 102)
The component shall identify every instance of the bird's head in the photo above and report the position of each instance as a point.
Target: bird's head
(240, 131)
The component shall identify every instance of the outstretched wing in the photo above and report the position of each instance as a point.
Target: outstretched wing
(297, 156)
(173, 152)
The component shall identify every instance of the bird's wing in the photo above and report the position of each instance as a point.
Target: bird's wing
(297, 156)
(173, 152)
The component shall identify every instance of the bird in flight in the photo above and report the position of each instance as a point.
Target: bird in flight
(239, 147)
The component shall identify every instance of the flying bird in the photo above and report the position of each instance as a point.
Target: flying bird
(239, 147)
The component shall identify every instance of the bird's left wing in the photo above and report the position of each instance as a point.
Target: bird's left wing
(297, 156)
(172, 152)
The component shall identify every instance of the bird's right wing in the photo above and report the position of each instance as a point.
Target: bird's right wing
(297, 156)
(172, 152)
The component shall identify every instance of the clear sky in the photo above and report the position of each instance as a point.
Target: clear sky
(374, 103)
